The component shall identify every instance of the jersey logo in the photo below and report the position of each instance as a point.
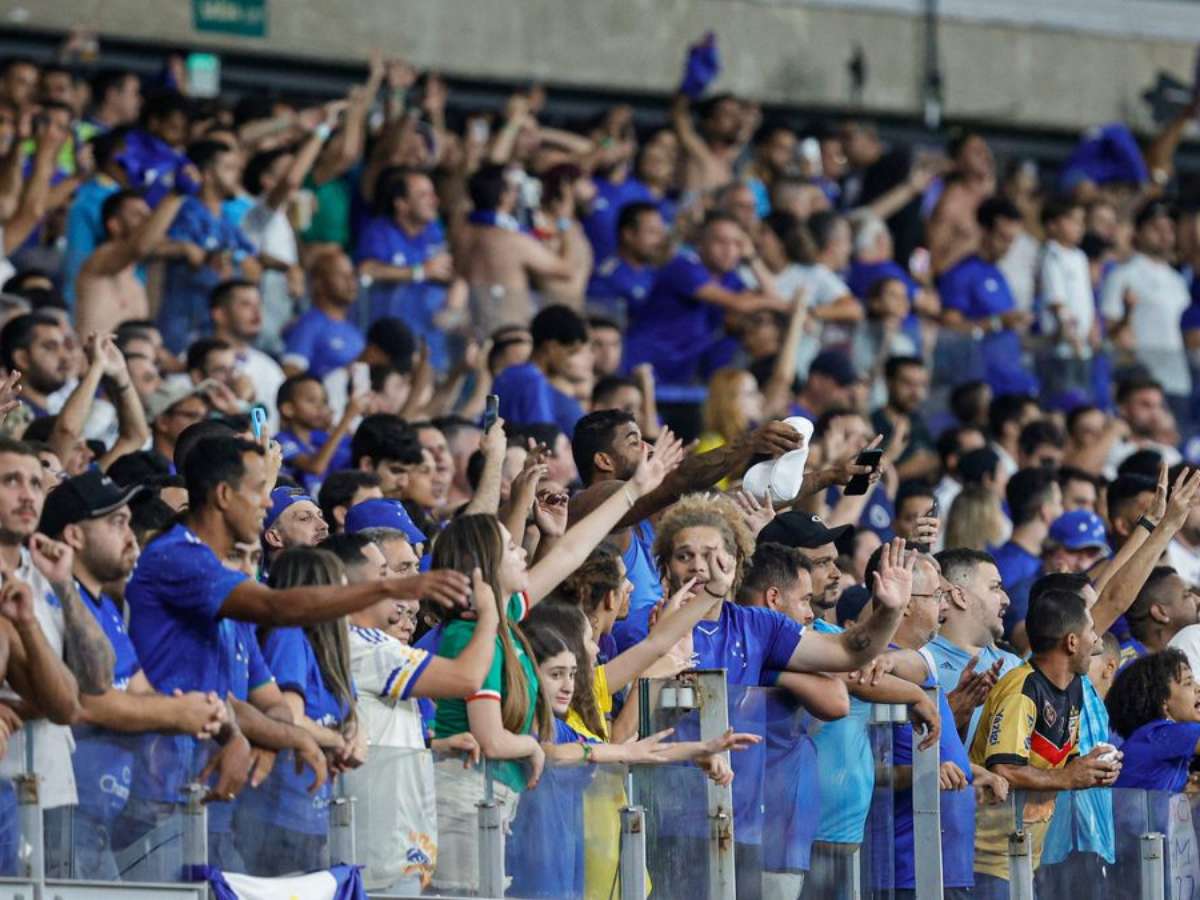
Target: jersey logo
(997, 724)
(1049, 714)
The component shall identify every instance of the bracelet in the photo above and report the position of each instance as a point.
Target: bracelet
(587, 751)
(1147, 523)
(630, 495)
(564, 223)
(122, 388)
(417, 272)
(323, 131)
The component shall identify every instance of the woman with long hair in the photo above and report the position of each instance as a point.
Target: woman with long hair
(976, 521)
(312, 666)
(508, 716)
(733, 406)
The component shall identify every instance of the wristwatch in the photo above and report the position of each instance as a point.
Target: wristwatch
(1147, 523)
(418, 272)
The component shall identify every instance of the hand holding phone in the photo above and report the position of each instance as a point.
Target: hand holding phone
(870, 457)
(258, 421)
(491, 412)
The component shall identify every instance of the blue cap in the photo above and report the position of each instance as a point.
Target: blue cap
(281, 499)
(1078, 530)
(382, 513)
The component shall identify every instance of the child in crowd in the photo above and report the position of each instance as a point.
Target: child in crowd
(309, 449)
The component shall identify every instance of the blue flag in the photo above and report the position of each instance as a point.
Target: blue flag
(338, 883)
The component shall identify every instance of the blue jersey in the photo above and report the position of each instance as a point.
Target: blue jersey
(150, 164)
(1015, 564)
(600, 224)
(544, 852)
(1131, 649)
(103, 759)
(978, 290)
(318, 343)
(957, 813)
(863, 276)
(680, 335)
(527, 397)
(647, 587)
(184, 314)
(416, 303)
(1158, 754)
(283, 800)
(620, 287)
(792, 805)
(175, 596)
(292, 446)
(751, 644)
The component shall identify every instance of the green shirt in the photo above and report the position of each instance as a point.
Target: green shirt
(451, 716)
(331, 218)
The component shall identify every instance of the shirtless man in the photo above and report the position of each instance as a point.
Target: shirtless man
(953, 232)
(500, 259)
(710, 149)
(108, 290)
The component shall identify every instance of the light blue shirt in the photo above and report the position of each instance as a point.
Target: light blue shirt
(1083, 820)
(952, 659)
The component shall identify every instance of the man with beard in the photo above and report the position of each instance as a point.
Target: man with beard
(90, 515)
(531, 392)
(294, 520)
(907, 390)
(965, 650)
(623, 281)
(34, 344)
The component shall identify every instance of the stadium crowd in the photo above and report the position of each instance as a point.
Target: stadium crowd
(844, 420)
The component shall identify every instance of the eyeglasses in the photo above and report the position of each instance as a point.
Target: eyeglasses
(553, 499)
(408, 615)
(938, 595)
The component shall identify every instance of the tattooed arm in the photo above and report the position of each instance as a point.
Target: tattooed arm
(86, 649)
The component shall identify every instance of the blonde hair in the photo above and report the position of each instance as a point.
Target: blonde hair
(723, 414)
(706, 511)
(976, 521)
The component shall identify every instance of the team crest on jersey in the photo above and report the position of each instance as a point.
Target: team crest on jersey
(1049, 714)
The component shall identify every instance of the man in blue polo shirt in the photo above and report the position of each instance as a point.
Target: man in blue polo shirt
(403, 251)
(621, 282)
(965, 648)
(532, 392)
(681, 327)
(601, 224)
(323, 339)
(90, 514)
(977, 300)
(184, 602)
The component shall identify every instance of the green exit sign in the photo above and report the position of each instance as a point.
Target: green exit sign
(247, 18)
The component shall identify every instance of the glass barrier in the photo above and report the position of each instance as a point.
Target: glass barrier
(10, 829)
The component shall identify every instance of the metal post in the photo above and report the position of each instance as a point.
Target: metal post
(32, 853)
(342, 848)
(633, 853)
(1152, 867)
(713, 701)
(1020, 857)
(491, 841)
(927, 813)
(195, 833)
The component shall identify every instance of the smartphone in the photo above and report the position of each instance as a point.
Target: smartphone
(481, 131)
(858, 485)
(258, 421)
(360, 379)
(931, 513)
(491, 412)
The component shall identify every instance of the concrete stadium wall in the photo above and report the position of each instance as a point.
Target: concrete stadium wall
(785, 51)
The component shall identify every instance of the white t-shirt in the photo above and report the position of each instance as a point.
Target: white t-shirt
(822, 286)
(1019, 266)
(266, 376)
(1162, 297)
(396, 813)
(52, 744)
(1185, 561)
(270, 231)
(1187, 639)
(1064, 280)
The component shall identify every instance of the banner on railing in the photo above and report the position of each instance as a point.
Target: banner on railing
(338, 883)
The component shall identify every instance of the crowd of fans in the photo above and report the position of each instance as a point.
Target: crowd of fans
(251, 505)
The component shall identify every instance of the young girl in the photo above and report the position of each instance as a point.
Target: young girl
(1153, 706)
(312, 666)
(502, 714)
(555, 809)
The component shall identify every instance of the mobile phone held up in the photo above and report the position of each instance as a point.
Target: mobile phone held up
(858, 485)
(491, 412)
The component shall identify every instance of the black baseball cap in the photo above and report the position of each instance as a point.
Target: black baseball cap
(836, 365)
(850, 605)
(801, 529)
(88, 496)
